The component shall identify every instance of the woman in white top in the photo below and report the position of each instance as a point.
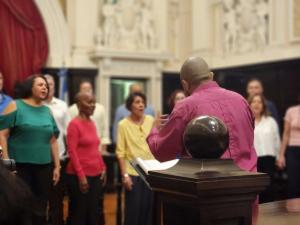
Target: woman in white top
(266, 141)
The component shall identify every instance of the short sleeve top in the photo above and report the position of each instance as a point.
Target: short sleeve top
(31, 129)
(292, 116)
(4, 101)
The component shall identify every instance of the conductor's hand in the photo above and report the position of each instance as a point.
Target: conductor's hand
(160, 120)
(127, 183)
(56, 175)
(83, 185)
(281, 162)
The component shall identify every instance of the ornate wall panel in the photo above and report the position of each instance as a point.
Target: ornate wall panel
(295, 19)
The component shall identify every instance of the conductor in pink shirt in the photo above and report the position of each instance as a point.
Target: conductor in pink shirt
(205, 97)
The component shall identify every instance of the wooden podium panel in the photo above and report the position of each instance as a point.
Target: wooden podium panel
(205, 192)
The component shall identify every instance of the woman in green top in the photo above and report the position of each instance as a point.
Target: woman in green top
(28, 135)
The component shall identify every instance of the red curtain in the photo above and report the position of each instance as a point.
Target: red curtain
(23, 41)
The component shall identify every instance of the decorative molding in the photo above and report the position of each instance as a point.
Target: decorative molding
(129, 68)
(147, 55)
(270, 54)
(293, 16)
(128, 25)
(124, 64)
(245, 25)
(57, 32)
(173, 28)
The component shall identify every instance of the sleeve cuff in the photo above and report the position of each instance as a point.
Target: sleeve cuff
(81, 174)
(154, 131)
(105, 141)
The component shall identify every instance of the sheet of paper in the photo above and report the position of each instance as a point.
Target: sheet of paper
(153, 164)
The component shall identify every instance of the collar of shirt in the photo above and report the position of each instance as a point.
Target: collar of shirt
(206, 85)
(52, 102)
(262, 120)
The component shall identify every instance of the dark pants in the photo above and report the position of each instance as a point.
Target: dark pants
(266, 164)
(293, 170)
(138, 203)
(39, 179)
(56, 198)
(84, 208)
(101, 206)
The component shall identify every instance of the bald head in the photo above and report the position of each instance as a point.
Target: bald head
(86, 86)
(135, 88)
(49, 77)
(51, 84)
(82, 96)
(86, 104)
(195, 70)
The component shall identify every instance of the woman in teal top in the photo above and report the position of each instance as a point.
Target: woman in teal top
(28, 135)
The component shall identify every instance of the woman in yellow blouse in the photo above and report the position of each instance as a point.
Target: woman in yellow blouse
(131, 143)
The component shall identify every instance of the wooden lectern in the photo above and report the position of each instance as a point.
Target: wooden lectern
(205, 192)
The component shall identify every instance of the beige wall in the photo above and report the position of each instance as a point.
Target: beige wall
(297, 18)
(197, 30)
(63, 5)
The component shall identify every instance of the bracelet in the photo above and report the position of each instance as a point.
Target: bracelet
(57, 167)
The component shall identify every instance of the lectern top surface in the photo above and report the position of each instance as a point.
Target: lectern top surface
(195, 169)
(194, 177)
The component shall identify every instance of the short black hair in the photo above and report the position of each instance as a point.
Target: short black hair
(24, 89)
(16, 199)
(254, 79)
(171, 99)
(131, 97)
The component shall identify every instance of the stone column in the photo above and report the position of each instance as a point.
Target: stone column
(57, 31)
(82, 17)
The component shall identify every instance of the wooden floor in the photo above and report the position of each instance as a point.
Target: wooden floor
(269, 214)
(110, 206)
(275, 213)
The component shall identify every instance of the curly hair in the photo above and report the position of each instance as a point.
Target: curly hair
(17, 203)
(131, 98)
(24, 89)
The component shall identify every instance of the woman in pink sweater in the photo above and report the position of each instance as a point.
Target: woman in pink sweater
(289, 156)
(86, 166)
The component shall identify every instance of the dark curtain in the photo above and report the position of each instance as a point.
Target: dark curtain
(23, 41)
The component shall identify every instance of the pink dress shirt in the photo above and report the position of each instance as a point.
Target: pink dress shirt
(209, 99)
